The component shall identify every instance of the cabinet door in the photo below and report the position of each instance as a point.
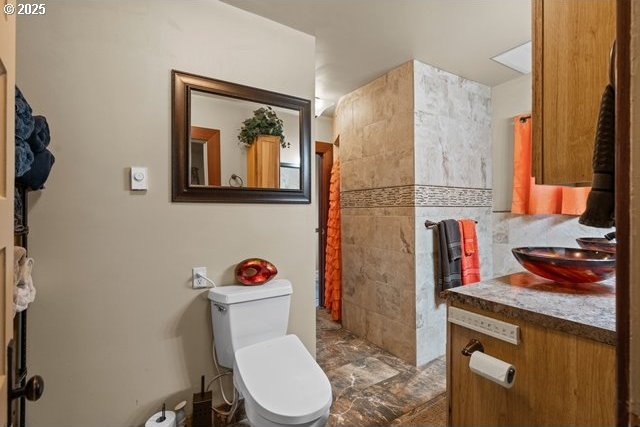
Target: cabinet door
(561, 379)
(572, 40)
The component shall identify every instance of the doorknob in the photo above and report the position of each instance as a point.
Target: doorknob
(32, 390)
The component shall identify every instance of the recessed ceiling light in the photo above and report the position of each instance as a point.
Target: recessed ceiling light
(518, 58)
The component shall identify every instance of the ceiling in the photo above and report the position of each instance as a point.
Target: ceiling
(359, 40)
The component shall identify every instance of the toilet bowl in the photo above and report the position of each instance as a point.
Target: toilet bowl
(282, 385)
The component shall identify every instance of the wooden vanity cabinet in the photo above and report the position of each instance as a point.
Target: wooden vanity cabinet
(561, 379)
(572, 40)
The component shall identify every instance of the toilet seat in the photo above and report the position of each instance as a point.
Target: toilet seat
(283, 380)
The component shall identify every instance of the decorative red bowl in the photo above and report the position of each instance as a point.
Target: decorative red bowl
(255, 271)
(567, 265)
(597, 244)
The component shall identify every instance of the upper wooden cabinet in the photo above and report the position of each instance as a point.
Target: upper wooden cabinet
(572, 40)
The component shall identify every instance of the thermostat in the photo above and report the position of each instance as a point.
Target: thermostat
(139, 179)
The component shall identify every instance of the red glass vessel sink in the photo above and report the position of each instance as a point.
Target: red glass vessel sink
(597, 244)
(567, 265)
(255, 271)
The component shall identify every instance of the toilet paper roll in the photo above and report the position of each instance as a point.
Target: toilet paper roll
(169, 421)
(492, 369)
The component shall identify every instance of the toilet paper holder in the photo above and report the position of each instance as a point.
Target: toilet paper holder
(474, 345)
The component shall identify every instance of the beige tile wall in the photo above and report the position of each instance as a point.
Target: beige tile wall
(375, 124)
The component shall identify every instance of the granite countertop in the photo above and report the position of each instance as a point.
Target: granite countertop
(587, 310)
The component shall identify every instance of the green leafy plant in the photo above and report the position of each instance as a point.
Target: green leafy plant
(264, 122)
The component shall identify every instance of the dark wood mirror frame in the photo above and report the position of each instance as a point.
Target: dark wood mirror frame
(181, 191)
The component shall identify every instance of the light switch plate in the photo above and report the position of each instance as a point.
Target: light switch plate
(199, 282)
(484, 324)
(139, 178)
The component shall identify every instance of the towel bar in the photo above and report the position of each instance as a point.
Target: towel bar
(431, 224)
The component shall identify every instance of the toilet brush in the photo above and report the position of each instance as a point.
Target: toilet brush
(202, 404)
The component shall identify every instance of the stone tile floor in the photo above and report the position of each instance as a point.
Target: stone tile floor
(372, 387)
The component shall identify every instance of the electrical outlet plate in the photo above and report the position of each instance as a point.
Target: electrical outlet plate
(199, 282)
(486, 325)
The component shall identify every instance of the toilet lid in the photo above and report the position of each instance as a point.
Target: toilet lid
(283, 380)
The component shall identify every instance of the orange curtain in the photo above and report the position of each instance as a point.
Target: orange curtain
(333, 259)
(530, 198)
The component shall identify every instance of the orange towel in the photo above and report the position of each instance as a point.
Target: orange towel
(521, 166)
(333, 259)
(574, 200)
(470, 256)
(533, 199)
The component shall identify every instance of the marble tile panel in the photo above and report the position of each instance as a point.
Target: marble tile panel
(431, 414)
(360, 173)
(364, 408)
(374, 326)
(351, 146)
(399, 340)
(363, 106)
(393, 268)
(500, 227)
(395, 94)
(415, 387)
(393, 169)
(431, 339)
(399, 136)
(354, 318)
(352, 268)
(373, 141)
(395, 233)
(452, 129)
(359, 375)
(396, 302)
(503, 260)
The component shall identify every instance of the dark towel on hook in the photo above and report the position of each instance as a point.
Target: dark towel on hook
(40, 137)
(601, 201)
(450, 254)
(24, 122)
(39, 172)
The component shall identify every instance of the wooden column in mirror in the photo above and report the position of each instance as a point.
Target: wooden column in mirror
(263, 162)
(572, 40)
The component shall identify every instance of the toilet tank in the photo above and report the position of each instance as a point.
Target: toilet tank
(245, 315)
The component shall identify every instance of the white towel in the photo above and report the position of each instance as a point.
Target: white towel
(24, 292)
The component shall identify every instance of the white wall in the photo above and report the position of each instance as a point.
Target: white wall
(115, 329)
(324, 129)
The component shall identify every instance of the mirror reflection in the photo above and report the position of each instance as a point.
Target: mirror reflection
(238, 143)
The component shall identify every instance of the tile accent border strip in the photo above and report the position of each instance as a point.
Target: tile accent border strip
(418, 196)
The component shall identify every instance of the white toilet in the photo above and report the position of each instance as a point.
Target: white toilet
(281, 383)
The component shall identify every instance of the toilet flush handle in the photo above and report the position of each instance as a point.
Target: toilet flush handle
(220, 307)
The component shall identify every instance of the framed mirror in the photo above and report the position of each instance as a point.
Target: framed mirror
(238, 144)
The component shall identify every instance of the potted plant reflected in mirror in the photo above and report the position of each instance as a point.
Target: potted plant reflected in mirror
(263, 135)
